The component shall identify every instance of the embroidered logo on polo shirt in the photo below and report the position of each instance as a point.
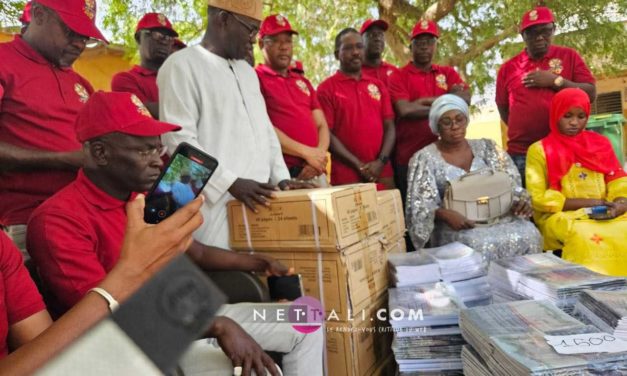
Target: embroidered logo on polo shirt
(556, 66)
(161, 19)
(424, 25)
(303, 87)
(140, 106)
(533, 15)
(374, 92)
(90, 8)
(389, 72)
(83, 95)
(440, 81)
(280, 20)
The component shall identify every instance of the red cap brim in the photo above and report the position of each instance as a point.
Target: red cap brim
(382, 24)
(149, 128)
(80, 25)
(278, 31)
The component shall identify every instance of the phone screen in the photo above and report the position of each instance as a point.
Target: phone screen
(182, 181)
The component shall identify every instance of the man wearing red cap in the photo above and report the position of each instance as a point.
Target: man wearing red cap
(413, 88)
(214, 94)
(360, 117)
(373, 32)
(292, 103)
(155, 36)
(40, 96)
(526, 83)
(75, 237)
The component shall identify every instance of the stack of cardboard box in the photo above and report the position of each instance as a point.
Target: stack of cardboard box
(338, 239)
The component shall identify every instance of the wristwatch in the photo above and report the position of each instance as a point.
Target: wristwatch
(559, 81)
(384, 159)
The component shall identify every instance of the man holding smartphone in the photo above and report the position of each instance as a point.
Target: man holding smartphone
(214, 94)
(76, 236)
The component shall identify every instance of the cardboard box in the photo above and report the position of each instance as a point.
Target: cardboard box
(359, 347)
(352, 279)
(391, 216)
(397, 245)
(342, 215)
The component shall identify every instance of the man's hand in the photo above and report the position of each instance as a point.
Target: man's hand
(308, 173)
(271, 266)
(252, 193)
(286, 185)
(457, 88)
(456, 221)
(427, 101)
(372, 170)
(241, 348)
(147, 248)
(316, 158)
(539, 78)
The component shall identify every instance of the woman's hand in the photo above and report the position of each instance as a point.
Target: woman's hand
(616, 209)
(522, 208)
(455, 220)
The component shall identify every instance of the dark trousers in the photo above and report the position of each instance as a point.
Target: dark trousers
(520, 160)
(400, 178)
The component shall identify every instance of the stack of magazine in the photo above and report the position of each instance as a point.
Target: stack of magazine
(509, 339)
(425, 319)
(455, 263)
(545, 276)
(607, 310)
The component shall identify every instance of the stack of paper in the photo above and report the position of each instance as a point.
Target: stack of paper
(513, 339)
(455, 263)
(426, 332)
(545, 276)
(607, 310)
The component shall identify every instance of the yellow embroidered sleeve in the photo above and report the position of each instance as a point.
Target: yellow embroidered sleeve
(543, 199)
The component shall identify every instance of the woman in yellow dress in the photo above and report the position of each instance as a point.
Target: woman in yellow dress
(570, 171)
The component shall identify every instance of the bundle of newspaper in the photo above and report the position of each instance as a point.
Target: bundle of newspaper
(607, 310)
(426, 332)
(511, 339)
(455, 263)
(545, 276)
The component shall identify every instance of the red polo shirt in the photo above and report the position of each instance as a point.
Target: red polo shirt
(75, 239)
(139, 81)
(355, 111)
(290, 101)
(411, 83)
(382, 73)
(529, 107)
(19, 298)
(38, 105)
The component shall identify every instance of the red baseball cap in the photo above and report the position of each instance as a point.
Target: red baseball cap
(121, 112)
(25, 18)
(425, 27)
(274, 25)
(78, 15)
(179, 43)
(154, 21)
(370, 23)
(539, 15)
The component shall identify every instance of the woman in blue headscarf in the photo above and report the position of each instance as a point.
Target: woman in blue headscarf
(448, 159)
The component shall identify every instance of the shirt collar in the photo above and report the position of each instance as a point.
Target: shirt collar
(95, 195)
(144, 71)
(412, 68)
(263, 68)
(549, 54)
(341, 76)
(28, 52)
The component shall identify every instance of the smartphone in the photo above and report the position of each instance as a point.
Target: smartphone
(181, 181)
(598, 212)
(289, 287)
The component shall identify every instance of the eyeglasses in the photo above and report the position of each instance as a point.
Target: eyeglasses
(447, 122)
(424, 42)
(252, 29)
(269, 40)
(159, 36)
(544, 32)
(144, 153)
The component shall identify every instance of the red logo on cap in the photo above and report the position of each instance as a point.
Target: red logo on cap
(533, 15)
(90, 8)
(140, 106)
(161, 19)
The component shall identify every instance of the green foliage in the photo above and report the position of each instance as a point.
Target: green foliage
(476, 35)
(10, 11)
